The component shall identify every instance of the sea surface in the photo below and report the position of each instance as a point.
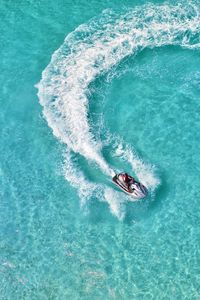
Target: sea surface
(90, 88)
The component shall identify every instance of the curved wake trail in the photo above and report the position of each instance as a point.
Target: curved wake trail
(94, 48)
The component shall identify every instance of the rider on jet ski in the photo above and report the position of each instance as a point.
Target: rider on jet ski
(126, 179)
(130, 186)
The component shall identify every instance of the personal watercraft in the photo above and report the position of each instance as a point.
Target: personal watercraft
(130, 186)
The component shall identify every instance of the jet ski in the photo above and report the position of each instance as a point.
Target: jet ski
(130, 186)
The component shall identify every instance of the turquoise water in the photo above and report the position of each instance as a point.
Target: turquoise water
(120, 93)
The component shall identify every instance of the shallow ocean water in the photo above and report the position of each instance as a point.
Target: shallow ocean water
(139, 111)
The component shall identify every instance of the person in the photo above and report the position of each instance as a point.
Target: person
(128, 180)
(125, 177)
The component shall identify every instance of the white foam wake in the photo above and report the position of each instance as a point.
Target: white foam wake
(94, 48)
